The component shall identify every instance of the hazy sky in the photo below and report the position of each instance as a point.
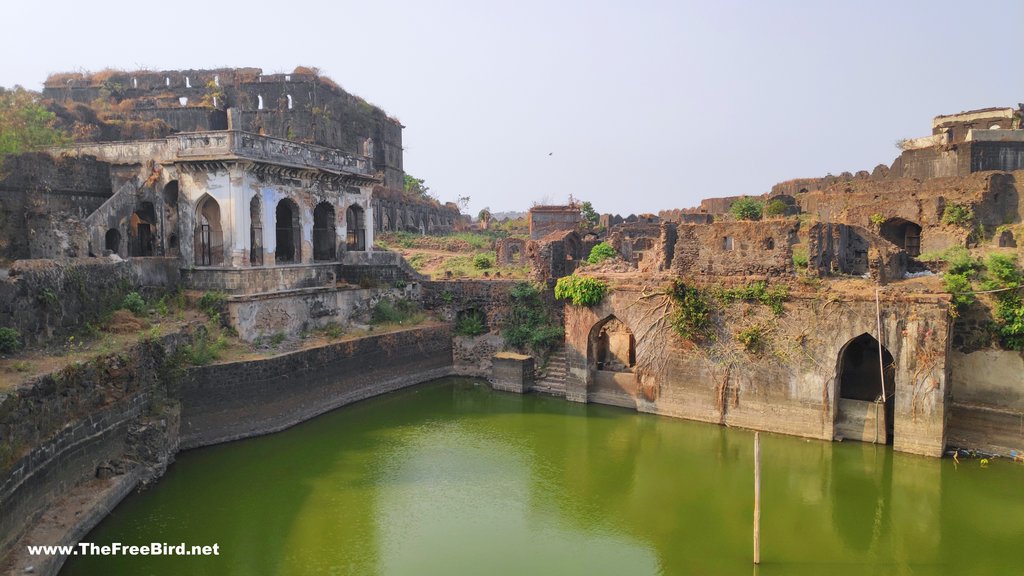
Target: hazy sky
(634, 105)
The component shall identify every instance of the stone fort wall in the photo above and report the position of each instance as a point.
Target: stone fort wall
(303, 106)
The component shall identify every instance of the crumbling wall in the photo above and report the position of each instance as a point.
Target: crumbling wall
(395, 211)
(556, 255)
(301, 106)
(45, 299)
(853, 250)
(510, 251)
(787, 382)
(643, 245)
(735, 248)
(546, 220)
(43, 202)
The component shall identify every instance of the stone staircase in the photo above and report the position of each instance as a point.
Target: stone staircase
(553, 381)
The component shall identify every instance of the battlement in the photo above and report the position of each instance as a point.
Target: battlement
(302, 106)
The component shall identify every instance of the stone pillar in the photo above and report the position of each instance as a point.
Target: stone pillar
(512, 372)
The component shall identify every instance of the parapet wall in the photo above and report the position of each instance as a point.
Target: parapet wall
(230, 401)
(394, 211)
(60, 428)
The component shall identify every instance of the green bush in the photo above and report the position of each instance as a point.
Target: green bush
(757, 292)
(960, 261)
(691, 318)
(471, 323)
(877, 219)
(601, 252)
(1010, 320)
(10, 340)
(775, 208)
(417, 260)
(398, 311)
(746, 209)
(203, 350)
(752, 339)
(957, 214)
(212, 302)
(134, 303)
(580, 290)
(800, 257)
(483, 261)
(959, 285)
(529, 324)
(1002, 271)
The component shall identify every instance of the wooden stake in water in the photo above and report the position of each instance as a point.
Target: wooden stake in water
(757, 497)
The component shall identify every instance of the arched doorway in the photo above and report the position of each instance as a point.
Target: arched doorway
(256, 231)
(112, 241)
(324, 234)
(142, 231)
(170, 222)
(903, 233)
(611, 357)
(289, 241)
(355, 222)
(865, 407)
(209, 241)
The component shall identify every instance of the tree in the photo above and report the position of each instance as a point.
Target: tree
(416, 187)
(26, 124)
(746, 208)
(775, 208)
(590, 216)
(462, 202)
(484, 215)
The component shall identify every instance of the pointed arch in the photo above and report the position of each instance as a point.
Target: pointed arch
(288, 232)
(325, 237)
(865, 390)
(256, 231)
(611, 357)
(903, 233)
(209, 238)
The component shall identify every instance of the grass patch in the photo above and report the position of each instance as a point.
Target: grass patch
(400, 311)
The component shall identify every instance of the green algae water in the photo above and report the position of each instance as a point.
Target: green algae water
(451, 478)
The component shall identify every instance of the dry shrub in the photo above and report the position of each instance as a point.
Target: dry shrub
(124, 322)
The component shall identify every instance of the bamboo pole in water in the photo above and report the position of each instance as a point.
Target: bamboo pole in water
(881, 362)
(757, 497)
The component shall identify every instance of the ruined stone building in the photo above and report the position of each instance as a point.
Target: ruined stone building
(251, 183)
(822, 369)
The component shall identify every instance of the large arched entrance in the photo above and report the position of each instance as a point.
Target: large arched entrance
(611, 357)
(867, 387)
(903, 233)
(289, 242)
(209, 240)
(324, 235)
